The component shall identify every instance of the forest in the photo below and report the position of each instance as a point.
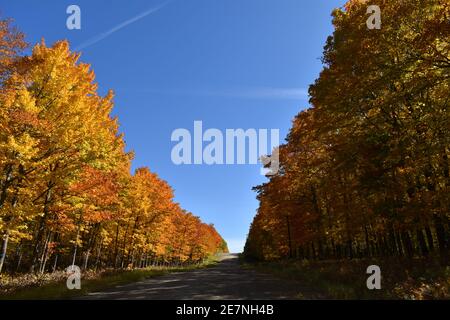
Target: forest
(67, 196)
(364, 171)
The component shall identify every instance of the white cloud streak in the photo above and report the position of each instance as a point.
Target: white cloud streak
(122, 25)
(241, 93)
(268, 93)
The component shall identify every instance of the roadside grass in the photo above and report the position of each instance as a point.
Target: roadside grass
(412, 279)
(101, 281)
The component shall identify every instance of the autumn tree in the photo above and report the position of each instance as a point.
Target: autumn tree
(66, 192)
(11, 45)
(365, 171)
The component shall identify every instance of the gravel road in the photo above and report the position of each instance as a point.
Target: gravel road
(226, 280)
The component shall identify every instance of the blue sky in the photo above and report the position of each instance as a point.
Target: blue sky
(229, 63)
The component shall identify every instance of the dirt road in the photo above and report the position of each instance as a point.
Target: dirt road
(226, 280)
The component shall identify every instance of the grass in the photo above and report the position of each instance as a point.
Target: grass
(101, 281)
(412, 279)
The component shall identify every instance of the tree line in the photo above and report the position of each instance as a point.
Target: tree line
(365, 170)
(66, 192)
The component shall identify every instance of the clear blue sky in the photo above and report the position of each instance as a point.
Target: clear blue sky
(230, 63)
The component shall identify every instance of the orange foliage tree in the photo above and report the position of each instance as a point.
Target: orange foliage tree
(365, 171)
(66, 192)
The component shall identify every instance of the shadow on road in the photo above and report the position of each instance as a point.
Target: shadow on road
(226, 280)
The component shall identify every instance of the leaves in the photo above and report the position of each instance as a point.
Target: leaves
(66, 192)
(365, 171)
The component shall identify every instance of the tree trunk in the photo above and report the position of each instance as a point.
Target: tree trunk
(40, 231)
(19, 261)
(116, 247)
(5, 185)
(43, 259)
(398, 243)
(86, 259)
(440, 232)
(366, 237)
(289, 236)
(4, 249)
(99, 250)
(429, 238)
(422, 244)
(313, 249)
(406, 239)
(6, 234)
(55, 263)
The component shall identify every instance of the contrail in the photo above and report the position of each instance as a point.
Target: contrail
(106, 34)
(244, 93)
